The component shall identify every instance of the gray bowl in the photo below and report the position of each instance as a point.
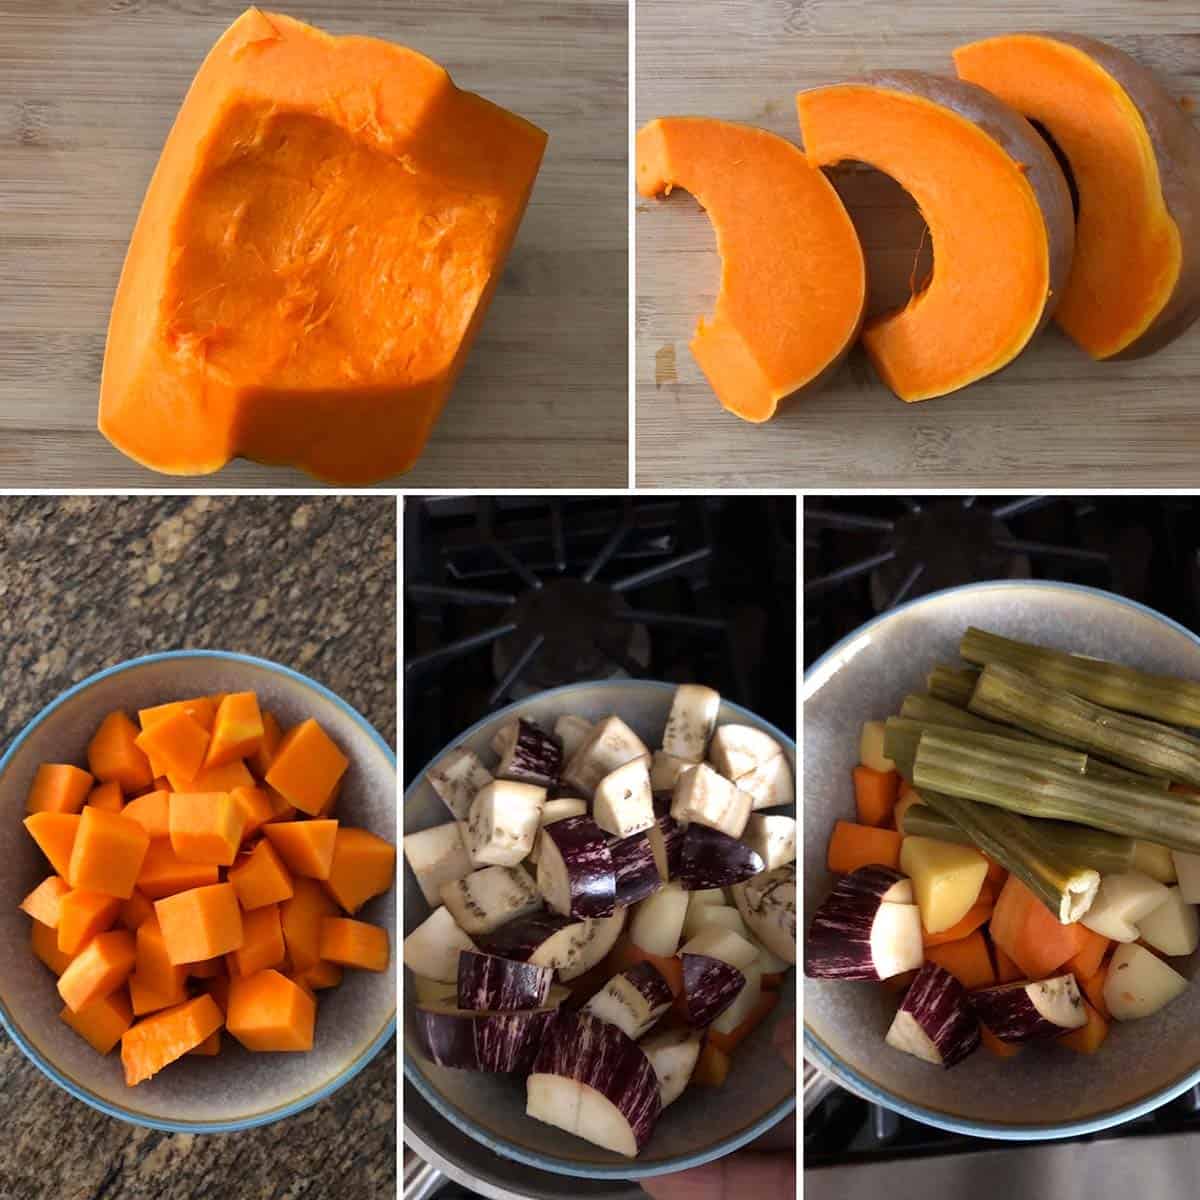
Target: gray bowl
(1045, 1092)
(702, 1124)
(235, 1090)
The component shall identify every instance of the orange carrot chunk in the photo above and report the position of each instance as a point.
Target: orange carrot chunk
(259, 877)
(58, 788)
(43, 903)
(1007, 971)
(976, 916)
(1093, 988)
(200, 923)
(363, 866)
(237, 730)
(305, 846)
(55, 836)
(98, 969)
(354, 944)
(875, 795)
(146, 999)
(852, 846)
(101, 1024)
(1029, 933)
(81, 916)
(113, 754)
(1087, 960)
(729, 1042)
(1087, 1039)
(159, 1040)
(108, 853)
(268, 1011)
(712, 1067)
(164, 873)
(967, 960)
(205, 827)
(626, 954)
(262, 944)
(307, 767)
(175, 745)
(301, 919)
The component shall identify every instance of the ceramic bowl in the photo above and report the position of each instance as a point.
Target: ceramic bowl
(237, 1089)
(702, 1124)
(1045, 1092)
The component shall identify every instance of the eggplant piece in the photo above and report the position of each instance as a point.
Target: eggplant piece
(868, 928)
(610, 745)
(736, 750)
(665, 770)
(672, 1054)
(591, 1080)
(658, 921)
(622, 804)
(666, 842)
(744, 1003)
(706, 798)
(1024, 1012)
(488, 983)
(456, 778)
(490, 897)
(600, 936)
(503, 822)
(773, 838)
(635, 867)
(495, 1042)
(710, 986)
(691, 721)
(700, 917)
(713, 860)
(575, 868)
(556, 809)
(504, 737)
(715, 941)
(935, 1022)
(544, 939)
(532, 756)
(571, 732)
(633, 1000)
(767, 903)
(437, 856)
(771, 784)
(431, 990)
(432, 949)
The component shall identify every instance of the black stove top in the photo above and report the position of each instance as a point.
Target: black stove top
(864, 555)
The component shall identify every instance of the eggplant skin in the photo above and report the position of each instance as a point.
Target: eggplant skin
(583, 847)
(648, 980)
(938, 1003)
(710, 986)
(838, 945)
(636, 871)
(710, 859)
(534, 757)
(488, 983)
(876, 881)
(1009, 1012)
(496, 1043)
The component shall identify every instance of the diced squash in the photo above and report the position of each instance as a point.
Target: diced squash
(946, 879)
(55, 836)
(259, 877)
(1087, 1039)
(134, 911)
(159, 1040)
(1093, 988)
(201, 709)
(305, 846)
(99, 968)
(976, 916)
(81, 916)
(237, 730)
(113, 754)
(712, 1067)
(306, 767)
(995, 1046)
(967, 960)
(152, 812)
(210, 1047)
(852, 846)
(729, 1042)
(164, 873)
(175, 745)
(256, 808)
(1030, 934)
(323, 975)
(301, 918)
(58, 788)
(200, 923)
(44, 942)
(1086, 961)
(363, 866)
(262, 945)
(208, 968)
(260, 759)
(101, 1024)
(43, 903)
(875, 795)
(153, 964)
(108, 853)
(206, 827)
(1007, 971)
(214, 779)
(351, 943)
(269, 1012)
(146, 999)
(106, 796)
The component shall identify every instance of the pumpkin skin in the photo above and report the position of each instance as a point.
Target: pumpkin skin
(314, 255)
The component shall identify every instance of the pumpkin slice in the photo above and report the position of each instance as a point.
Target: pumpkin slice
(998, 211)
(313, 257)
(1134, 155)
(793, 281)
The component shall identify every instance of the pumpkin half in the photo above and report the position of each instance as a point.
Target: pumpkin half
(793, 281)
(313, 257)
(998, 211)
(1135, 159)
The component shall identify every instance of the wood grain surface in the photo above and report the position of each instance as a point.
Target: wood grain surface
(88, 91)
(1054, 418)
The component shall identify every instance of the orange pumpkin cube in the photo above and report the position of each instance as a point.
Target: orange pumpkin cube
(55, 836)
(301, 919)
(44, 942)
(307, 767)
(108, 853)
(58, 788)
(269, 1012)
(262, 945)
(201, 709)
(237, 731)
(135, 911)
(99, 968)
(164, 873)
(323, 975)
(260, 759)
(206, 827)
(159, 1040)
(305, 846)
(153, 964)
(218, 988)
(210, 1047)
(256, 807)
(83, 915)
(200, 923)
(113, 754)
(259, 877)
(175, 745)
(43, 903)
(352, 943)
(151, 811)
(208, 968)
(106, 796)
(213, 779)
(363, 866)
(146, 999)
(101, 1024)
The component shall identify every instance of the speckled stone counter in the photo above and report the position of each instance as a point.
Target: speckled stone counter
(86, 582)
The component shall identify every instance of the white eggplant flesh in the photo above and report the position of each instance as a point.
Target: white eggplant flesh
(575, 869)
(543, 938)
(708, 798)
(432, 949)
(771, 963)
(610, 745)
(456, 778)
(636, 868)
(556, 810)
(870, 747)
(1124, 898)
(770, 785)
(1024, 1012)
(718, 942)
(657, 922)
(1173, 927)
(1139, 983)
(722, 915)
(504, 737)
(699, 897)
(633, 1001)
(935, 1022)
(431, 991)
(495, 1042)
(673, 1055)
(666, 841)
(736, 750)
(622, 803)
(1155, 861)
(437, 856)
(503, 821)
(768, 906)
(665, 770)
(489, 983)
(572, 732)
(773, 837)
(691, 721)
(601, 936)
(530, 756)
(744, 1002)
(1187, 871)
(490, 897)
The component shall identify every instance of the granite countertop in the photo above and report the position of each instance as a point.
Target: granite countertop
(86, 582)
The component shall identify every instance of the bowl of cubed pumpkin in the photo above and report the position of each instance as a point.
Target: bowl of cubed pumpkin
(197, 908)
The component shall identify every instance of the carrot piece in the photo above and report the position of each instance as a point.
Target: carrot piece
(1087, 1039)
(98, 969)
(205, 827)
(151, 811)
(153, 964)
(106, 796)
(1087, 960)
(164, 873)
(1007, 971)
(995, 1045)
(729, 1042)
(967, 960)
(259, 877)
(55, 836)
(976, 916)
(712, 1066)
(58, 788)
(626, 954)
(200, 923)
(108, 853)
(262, 945)
(175, 745)
(323, 975)
(305, 846)
(81, 916)
(210, 1047)
(1029, 933)
(146, 999)
(152, 1044)
(301, 919)
(201, 709)
(875, 795)
(101, 1024)
(237, 729)
(213, 779)
(351, 943)
(256, 808)
(113, 754)
(306, 767)
(43, 903)
(44, 942)
(363, 866)
(852, 846)
(1093, 988)
(268, 1011)
(260, 759)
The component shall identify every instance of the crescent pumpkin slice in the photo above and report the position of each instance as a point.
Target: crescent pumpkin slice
(793, 281)
(1135, 159)
(998, 211)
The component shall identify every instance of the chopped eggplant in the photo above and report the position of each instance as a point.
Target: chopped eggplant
(718, 942)
(432, 949)
(1173, 927)
(773, 838)
(768, 906)
(456, 778)
(885, 883)
(496, 1042)
(771, 784)
(1139, 983)
(600, 936)
(736, 750)
(543, 938)
(622, 803)
(635, 867)
(503, 822)
(726, 917)
(935, 1023)
(665, 770)
(1024, 1012)
(575, 868)
(672, 1054)
(504, 737)
(610, 745)
(703, 796)
(437, 856)
(558, 993)
(591, 1080)
(427, 990)
(770, 962)
(658, 920)
(490, 897)
(666, 841)
(557, 809)
(531, 756)
(488, 983)
(711, 859)
(744, 1002)
(633, 1000)
(571, 732)
(710, 986)
(691, 721)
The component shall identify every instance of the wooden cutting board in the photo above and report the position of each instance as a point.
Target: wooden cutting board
(88, 91)
(1054, 418)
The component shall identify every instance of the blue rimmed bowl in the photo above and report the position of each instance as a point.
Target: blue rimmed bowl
(236, 1090)
(1044, 1092)
(703, 1123)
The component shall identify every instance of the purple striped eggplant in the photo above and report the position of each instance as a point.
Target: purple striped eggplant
(496, 1042)
(575, 868)
(635, 867)
(666, 840)
(1024, 1012)
(767, 903)
(542, 938)
(591, 1080)
(710, 986)
(710, 859)
(935, 1023)
(600, 937)
(672, 1054)
(532, 756)
(633, 1000)
(488, 983)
